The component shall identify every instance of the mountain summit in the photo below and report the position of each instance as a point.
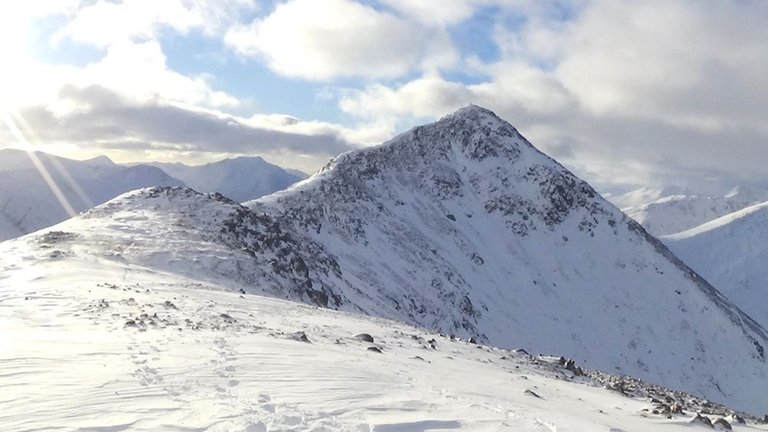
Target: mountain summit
(464, 227)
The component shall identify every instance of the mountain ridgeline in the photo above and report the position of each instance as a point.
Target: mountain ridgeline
(461, 226)
(241, 178)
(28, 202)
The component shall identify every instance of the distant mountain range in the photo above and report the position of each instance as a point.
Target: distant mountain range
(461, 226)
(241, 179)
(29, 201)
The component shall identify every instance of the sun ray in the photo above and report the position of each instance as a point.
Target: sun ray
(23, 126)
(24, 144)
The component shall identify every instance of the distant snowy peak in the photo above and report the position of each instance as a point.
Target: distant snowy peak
(241, 179)
(672, 214)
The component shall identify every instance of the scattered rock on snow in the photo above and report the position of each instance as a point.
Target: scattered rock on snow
(530, 392)
(701, 420)
(365, 337)
(722, 424)
(300, 336)
(374, 349)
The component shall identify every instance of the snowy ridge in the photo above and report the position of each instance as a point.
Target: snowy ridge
(464, 227)
(675, 213)
(731, 252)
(27, 203)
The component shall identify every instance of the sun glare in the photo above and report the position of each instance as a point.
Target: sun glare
(14, 51)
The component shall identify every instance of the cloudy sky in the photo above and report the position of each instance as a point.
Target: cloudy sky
(622, 92)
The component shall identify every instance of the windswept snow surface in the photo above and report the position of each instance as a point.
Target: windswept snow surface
(463, 227)
(241, 179)
(731, 252)
(89, 343)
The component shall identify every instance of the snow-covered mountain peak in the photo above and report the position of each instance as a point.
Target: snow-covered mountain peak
(100, 160)
(470, 157)
(474, 112)
(464, 227)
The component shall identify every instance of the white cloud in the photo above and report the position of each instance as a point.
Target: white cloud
(105, 22)
(620, 91)
(435, 12)
(136, 71)
(109, 122)
(690, 63)
(139, 71)
(642, 93)
(325, 39)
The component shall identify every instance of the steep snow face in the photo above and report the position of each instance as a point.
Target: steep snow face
(240, 179)
(460, 226)
(27, 202)
(731, 253)
(676, 213)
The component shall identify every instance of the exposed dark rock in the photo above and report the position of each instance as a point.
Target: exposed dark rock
(702, 420)
(365, 337)
(530, 392)
(722, 424)
(300, 336)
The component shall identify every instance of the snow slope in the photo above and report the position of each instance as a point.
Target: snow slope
(27, 203)
(95, 344)
(241, 179)
(460, 226)
(675, 213)
(731, 252)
